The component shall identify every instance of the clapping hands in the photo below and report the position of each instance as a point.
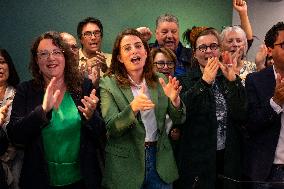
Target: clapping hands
(141, 102)
(172, 90)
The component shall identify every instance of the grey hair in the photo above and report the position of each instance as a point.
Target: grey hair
(238, 30)
(166, 18)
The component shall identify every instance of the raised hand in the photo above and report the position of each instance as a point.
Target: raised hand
(228, 65)
(260, 57)
(240, 6)
(90, 104)
(145, 32)
(236, 60)
(172, 90)
(141, 102)
(51, 95)
(278, 96)
(210, 70)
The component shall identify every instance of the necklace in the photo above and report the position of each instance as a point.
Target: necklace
(138, 86)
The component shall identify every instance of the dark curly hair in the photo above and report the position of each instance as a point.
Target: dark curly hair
(13, 79)
(72, 76)
(118, 69)
(272, 34)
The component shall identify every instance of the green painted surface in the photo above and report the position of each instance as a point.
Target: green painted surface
(22, 21)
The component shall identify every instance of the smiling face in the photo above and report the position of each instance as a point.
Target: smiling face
(164, 64)
(50, 60)
(233, 41)
(167, 35)
(4, 71)
(206, 40)
(132, 53)
(91, 43)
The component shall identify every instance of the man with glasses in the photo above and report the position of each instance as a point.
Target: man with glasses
(264, 157)
(90, 33)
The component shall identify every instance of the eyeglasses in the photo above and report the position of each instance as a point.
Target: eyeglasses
(212, 46)
(96, 33)
(57, 53)
(280, 44)
(162, 64)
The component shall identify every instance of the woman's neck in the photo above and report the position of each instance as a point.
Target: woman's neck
(136, 77)
(59, 83)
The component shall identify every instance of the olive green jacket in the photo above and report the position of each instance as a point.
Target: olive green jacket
(125, 151)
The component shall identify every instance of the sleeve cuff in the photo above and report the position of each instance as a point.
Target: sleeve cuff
(278, 109)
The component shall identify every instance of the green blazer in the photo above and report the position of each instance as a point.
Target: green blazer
(125, 151)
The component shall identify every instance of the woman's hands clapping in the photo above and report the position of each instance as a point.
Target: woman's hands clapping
(228, 66)
(3, 112)
(90, 104)
(172, 90)
(141, 102)
(51, 95)
(210, 70)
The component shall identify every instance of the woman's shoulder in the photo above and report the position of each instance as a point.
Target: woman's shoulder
(107, 81)
(27, 85)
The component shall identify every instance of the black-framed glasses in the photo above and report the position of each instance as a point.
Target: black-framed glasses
(280, 44)
(212, 46)
(162, 64)
(96, 33)
(57, 53)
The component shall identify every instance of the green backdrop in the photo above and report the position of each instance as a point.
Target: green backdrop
(22, 21)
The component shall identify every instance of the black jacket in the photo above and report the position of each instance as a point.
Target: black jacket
(197, 161)
(3, 147)
(263, 125)
(26, 121)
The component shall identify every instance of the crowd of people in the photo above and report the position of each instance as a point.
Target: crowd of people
(147, 116)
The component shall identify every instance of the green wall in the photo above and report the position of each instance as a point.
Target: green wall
(22, 21)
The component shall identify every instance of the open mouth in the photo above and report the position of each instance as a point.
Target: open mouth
(51, 66)
(169, 43)
(93, 44)
(135, 60)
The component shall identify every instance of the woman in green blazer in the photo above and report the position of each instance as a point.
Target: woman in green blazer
(134, 103)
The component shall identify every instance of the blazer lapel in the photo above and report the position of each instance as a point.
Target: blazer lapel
(126, 91)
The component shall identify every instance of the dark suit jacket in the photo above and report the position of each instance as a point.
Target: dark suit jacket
(263, 125)
(26, 122)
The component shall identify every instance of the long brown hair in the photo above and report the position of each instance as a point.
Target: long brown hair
(118, 69)
(72, 76)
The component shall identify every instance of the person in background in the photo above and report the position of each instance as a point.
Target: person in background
(216, 105)
(71, 41)
(134, 103)
(90, 33)
(167, 35)
(13, 156)
(233, 40)
(164, 61)
(262, 58)
(264, 158)
(54, 116)
(4, 142)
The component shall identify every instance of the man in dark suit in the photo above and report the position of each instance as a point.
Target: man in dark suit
(264, 155)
